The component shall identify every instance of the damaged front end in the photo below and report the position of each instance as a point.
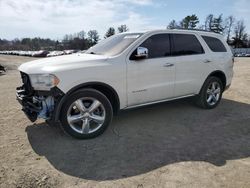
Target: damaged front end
(37, 104)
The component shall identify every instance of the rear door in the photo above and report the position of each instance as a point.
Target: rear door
(190, 62)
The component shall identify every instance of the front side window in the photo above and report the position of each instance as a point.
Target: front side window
(158, 46)
(186, 44)
(214, 44)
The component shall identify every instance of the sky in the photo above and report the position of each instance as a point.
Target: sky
(55, 18)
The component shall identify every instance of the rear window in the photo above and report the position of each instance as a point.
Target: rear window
(186, 44)
(214, 44)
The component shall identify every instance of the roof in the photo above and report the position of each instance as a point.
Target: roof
(198, 31)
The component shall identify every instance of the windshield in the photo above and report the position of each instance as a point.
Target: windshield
(114, 45)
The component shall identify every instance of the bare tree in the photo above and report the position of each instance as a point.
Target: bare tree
(201, 27)
(240, 35)
(81, 34)
(66, 38)
(208, 22)
(229, 26)
(173, 25)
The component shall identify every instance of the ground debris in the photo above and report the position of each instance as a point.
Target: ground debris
(33, 179)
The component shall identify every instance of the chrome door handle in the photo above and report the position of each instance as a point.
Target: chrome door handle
(207, 61)
(168, 65)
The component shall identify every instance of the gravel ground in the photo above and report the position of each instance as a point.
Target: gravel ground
(173, 144)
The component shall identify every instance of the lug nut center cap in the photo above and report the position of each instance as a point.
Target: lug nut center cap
(86, 115)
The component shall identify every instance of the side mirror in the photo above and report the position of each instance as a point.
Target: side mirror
(142, 53)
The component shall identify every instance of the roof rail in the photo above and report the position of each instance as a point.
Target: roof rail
(194, 30)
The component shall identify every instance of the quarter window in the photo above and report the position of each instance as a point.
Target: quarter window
(214, 44)
(186, 44)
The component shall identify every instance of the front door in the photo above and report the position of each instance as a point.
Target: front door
(153, 78)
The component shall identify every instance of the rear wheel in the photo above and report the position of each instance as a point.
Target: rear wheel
(210, 94)
(86, 114)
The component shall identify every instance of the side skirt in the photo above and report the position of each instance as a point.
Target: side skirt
(155, 102)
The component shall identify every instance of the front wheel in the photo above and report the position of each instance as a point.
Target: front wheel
(210, 94)
(86, 114)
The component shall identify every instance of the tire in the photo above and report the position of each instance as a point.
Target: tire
(86, 114)
(212, 88)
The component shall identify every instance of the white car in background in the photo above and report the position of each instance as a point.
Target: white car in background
(55, 53)
(82, 91)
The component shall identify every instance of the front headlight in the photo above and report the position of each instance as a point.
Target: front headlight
(43, 81)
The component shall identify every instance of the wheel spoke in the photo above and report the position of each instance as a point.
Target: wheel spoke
(214, 86)
(94, 106)
(97, 119)
(209, 91)
(209, 98)
(217, 91)
(80, 106)
(214, 98)
(74, 118)
(85, 126)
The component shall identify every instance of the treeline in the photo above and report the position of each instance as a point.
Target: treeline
(28, 44)
(83, 40)
(78, 41)
(234, 30)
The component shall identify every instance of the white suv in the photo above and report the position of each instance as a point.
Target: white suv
(84, 90)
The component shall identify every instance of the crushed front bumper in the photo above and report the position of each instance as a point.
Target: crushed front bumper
(34, 103)
(30, 108)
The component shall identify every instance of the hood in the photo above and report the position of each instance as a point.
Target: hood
(61, 63)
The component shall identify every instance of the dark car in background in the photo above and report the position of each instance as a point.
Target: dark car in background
(41, 53)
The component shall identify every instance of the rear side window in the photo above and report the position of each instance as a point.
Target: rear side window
(157, 45)
(214, 44)
(186, 44)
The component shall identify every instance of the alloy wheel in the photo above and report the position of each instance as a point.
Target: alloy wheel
(86, 115)
(213, 93)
